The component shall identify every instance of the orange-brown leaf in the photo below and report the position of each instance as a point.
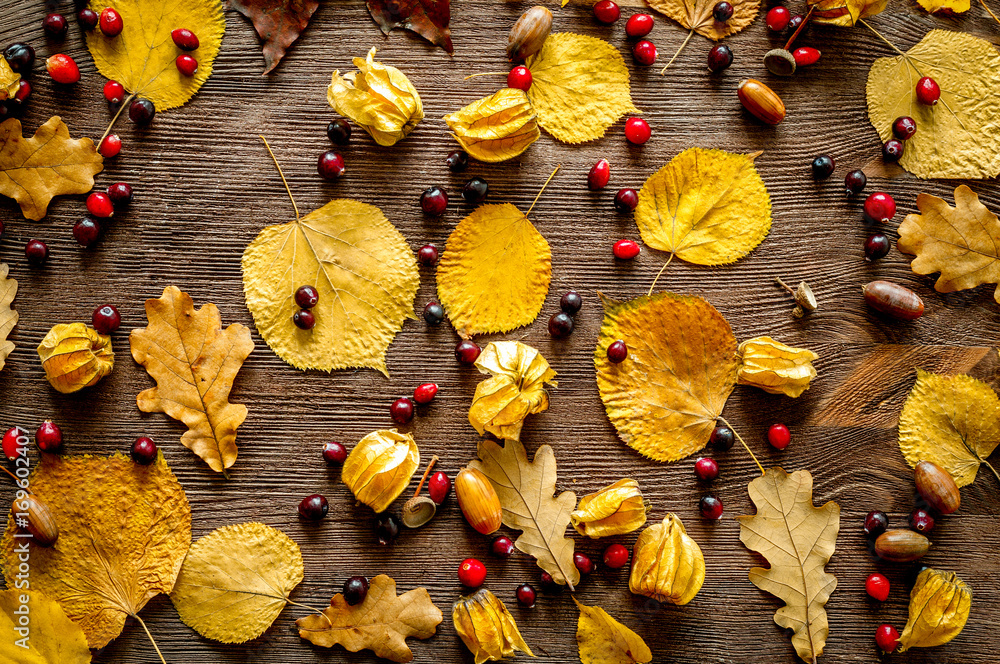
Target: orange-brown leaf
(278, 23)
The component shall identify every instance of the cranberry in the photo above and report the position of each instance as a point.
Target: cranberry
(433, 313)
(120, 194)
(779, 436)
(434, 201)
(20, 57)
(141, 111)
(806, 56)
(186, 65)
(438, 487)
(877, 586)
(855, 181)
(62, 69)
(111, 22)
(722, 11)
(549, 584)
(471, 573)
(561, 325)
(606, 11)
(722, 438)
(23, 91)
(106, 319)
(86, 231)
(87, 18)
(570, 303)
(644, 52)
(526, 595)
(600, 174)
(887, 637)
(625, 250)
(719, 58)
(777, 18)
(48, 436)
(822, 166)
(110, 146)
(617, 352)
(330, 165)
(639, 25)
(876, 247)
(637, 131)
(355, 590)
(304, 319)
(904, 127)
(386, 528)
(99, 204)
(314, 507)
(921, 521)
(427, 255)
(475, 191)
(519, 77)
(876, 523)
(467, 351)
(710, 507)
(55, 25)
(879, 207)
(37, 252)
(892, 151)
(334, 452)
(502, 547)
(706, 469)
(626, 200)
(306, 297)
(583, 563)
(425, 393)
(185, 39)
(339, 131)
(15, 442)
(143, 451)
(615, 556)
(401, 410)
(928, 91)
(457, 161)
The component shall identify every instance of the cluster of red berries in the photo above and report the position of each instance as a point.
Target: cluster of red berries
(722, 440)
(402, 409)
(100, 204)
(49, 439)
(306, 297)
(562, 323)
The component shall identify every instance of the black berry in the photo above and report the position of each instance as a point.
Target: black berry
(475, 191)
(355, 590)
(570, 303)
(433, 313)
(822, 166)
(561, 326)
(339, 131)
(141, 111)
(457, 161)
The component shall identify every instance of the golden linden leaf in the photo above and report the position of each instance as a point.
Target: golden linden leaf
(35, 630)
(579, 87)
(959, 137)
(961, 242)
(365, 274)
(614, 510)
(603, 640)
(194, 362)
(486, 627)
(10, 80)
(945, 6)
(8, 317)
(236, 580)
(845, 12)
(526, 491)
(664, 399)
(34, 170)
(696, 15)
(953, 421)
(797, 539)
(515, 390)
(380, 466)
(939, 608)
(381, 622)
(75, 356)
(495, 271)
(142, 58)
(124, 530)
(774, 367)
(495, 128)
(706, 206)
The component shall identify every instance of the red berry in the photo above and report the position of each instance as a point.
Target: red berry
(111, 22)
(583, 563)
(606, 11)
(425, 393)
(921, 521)
(86, 231)
(722, 11)
(471, 573)
(615, 556)
(37, 252)
(617, 352)
(904, 127)
(334, 452)
(806, 56)
(637, 131)
(526, 595)
(710, 507)
(876, 247)
(55, 25)
(114, 92)
(110, 146)
(777, 18)
(626, 200)
(23, 91)
(304, 319)
(48, 437)
(855, 182)
(143, 451)
(15, 442)
(561, 325)
(330, 165)
(719, 58)
(644, 52)
(401, 410)
(877, 586)
(106, 319)
(887, 637)
(706, 469)
(928, 91)
(306, 297)
(892, 151)
(879, 207)
(600, 174)
(638, 25)
(99, 204)
(87, 18)
(549, 584)
(502, 546)
(467, 351)
(120, 194)
(434, 201)
(141, 111)
(626, 249)
(62, 69)
(184, 39)
(519, 77)
(438, 487)
(186, 65)
(779, 436)
(427, 255)
(314, 507)
(875, 524)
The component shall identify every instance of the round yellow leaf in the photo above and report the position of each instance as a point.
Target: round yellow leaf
(697, 15)
(35, 630)
(495, 128)
(945, 6)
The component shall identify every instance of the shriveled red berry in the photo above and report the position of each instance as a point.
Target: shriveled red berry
(877, 586)
(779, 436)
(15, 442)
(706, 469)
(644, 52)
(615, 556)
(438, 487)
(306, 297)
(120, 194)
(111, 22)
(424, 394)
(184, 39)
(106, 319)
(928, 92)
(583, 563)
(471, 573)
(777, 18)
(314, 507)
(86, 232)
(904, 127)
(502, 546)
(467, 351)
(805, 56)
(304, 319)
(638, 25)
(526, 595)
(401, 410)
(37, 252)
(427, 255)
(55, 25)
(879, 207)
(710, 507)
(143, 451)
(62, 69)
(626, 200)
(87, 18)
(921, 521)
(887, 637)
(599, 175)
(626, 249)
(549, 585)
(99, 204)
(637, 131)
(434, 201)
(519, 77)
(330, 165)
(334, 452)
(617, 352)
(110, 146)
(606, 11)
(186, 65)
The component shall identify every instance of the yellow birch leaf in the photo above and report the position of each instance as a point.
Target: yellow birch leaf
(946, 7)
(8, 317)
(845, 13)
(665, 398)
(194, 363)
(939, 608)
(10, 80)
(142, 58)
(959, 137)
(50, 163)
(579, 87)
(953, 421)
(603, 640)
(696, 15)
(515, 389)
(236, 580)
(706, 206)
(48, 636)
(486, 627)
(798, 540)
(495, 128)
(365, 274)
(124, 530)
(495, 271)
(961, 242)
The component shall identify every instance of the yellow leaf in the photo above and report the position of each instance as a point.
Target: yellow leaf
(939, 608)
(142, 58)
(50, 163)
(664, 399)
(495, 271)
(579, 87)
(380, 466)
(667, 565)
(75, 356)
(495, 128)
(961, 242)
(706, 206)
(798, 540)
(946, 7)
(381, 623)
(515, 390)
(526, 496)
(10, 81)
(696, 15)
(124, 529)
(194, 362)
(486, 627)
(35, 630)
(774, 367)
(365, 274)
(236, 580)
(614, 510)
(959, 137)
(8, 317)
(379, 98)
(845, 13)
(603, 640)
(953, 421)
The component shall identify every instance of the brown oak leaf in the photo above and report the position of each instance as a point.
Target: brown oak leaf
(427, 18)
(278, 22)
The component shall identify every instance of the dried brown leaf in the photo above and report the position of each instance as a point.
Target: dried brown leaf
(278, 22)
(427, 18)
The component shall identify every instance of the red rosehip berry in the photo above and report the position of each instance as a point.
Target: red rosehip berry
(184, 39)
(806, 56)
(111, 22)
(626, 249)
(519, 77)
(887, 637)
(62, 69)
(438, 487)
(114, 92)
(777, 18)
(606, 11)
(599, 175)
(425, 393)
(779, 436)
(15, 442)
(615, 556)
(110, 146)
(639, 25)
(706, 469)
(879, 207)
(471, 573)
(186, 65)
(637, 131)
(644, 52)
(928, 92)
(877, 586)
(99, 204)
(48, 437)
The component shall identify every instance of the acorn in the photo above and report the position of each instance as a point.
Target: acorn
(418, 510)
(529, 33)
(937, 487)
(40, 521)
(901, 545)
(780, 62)
(761, 101)
(478, 500)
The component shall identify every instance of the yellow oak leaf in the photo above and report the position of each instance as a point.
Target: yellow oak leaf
(797, 539)
(142, 58)
(515, 389)
(495, 271)
(194, 362)
(959, 137)
(495, 128)
(48, 636)
(579, 87)
(381, 622)
(961, 242)
(696, 15)
(124, 530)
(845, 13)
(10, 80)
(486, 627)
(705, 206)
(945, 6)
(8, 317)
(50, 163)
(365, 274)
(236, 580)
(953, 421)
(603, 640)
(664, 399)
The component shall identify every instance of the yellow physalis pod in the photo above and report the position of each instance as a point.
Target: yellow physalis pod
(75, 356)
(667, 565)
(614, 510)
(379, 98)
(495, 128)
(774, 367)
(515, 390)
(486, 627)
(939, 607)
(380, 466)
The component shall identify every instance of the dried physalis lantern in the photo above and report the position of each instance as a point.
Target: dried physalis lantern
(515, 389)
(380, 466)
(614, 510)
(486, 627)
(75, 356)
(774, 367)
(667, 564)
(939, 607)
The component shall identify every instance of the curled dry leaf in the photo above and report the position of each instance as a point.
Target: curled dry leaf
(946, 7)
(50, 163)
(515, 389)
(124, 530)
(939, 608)
(278, 23)
(49, 637)
(236, 580)
(75, 356)
(8, 317)
(798, 540)
(194, 363)
(952, 421)
(486, 627)
(959, 137)
(427, 18)
(10, 80)
(495, 128)
(380, 98)
(381, 623)
(696, 15)
(603, 640)
(579, 87)
(142, 57)
(380, 466)
(774, 367)
(614, 510)
(844, 12)
(667, 565)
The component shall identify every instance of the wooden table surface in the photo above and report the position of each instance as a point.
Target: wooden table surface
(205, 187)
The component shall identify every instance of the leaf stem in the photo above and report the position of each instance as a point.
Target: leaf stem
(784, 285)
(115, 119)
(558, 166)
(655, 279)
(313, 609)
(685, 43)
(991, 468)
(486, 73)
(155, 647)
(795, 35)
(278, 166)
(983, 3)
(426, 473)
(740, 438)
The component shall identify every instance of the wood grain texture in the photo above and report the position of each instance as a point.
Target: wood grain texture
(205, 187)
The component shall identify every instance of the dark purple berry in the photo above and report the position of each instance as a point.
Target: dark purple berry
(892, 150)
(502, 546)
(386, 528)
(526, 595)
(141, 111)
(475, 191)
(433, 313)
(427, 255)
(355, 590)
(617, 352)
(37, 252)
(719, 58)
(306, 297)
(855, 182)
(330, 165)
(583, 563)
(339, 131)
(822, 166)
(86, 231)
(334, 452)
(876, 523)
(560, 325)
(795, 22)
(457, 161)
(722, 438)
(401, 410)
(722, 11)
(314, 507)
(710, 507)
(570, 303)
(120, 194)
(467, 351)
(434, 201)
(549, 585)
(626, 200)
(876, 247)
(87, 18)
(55, 25)
(20, 57)
(106, 319)
(304, 319)
(921, 521)
(143, 451)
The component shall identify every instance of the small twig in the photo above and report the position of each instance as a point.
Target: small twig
(784, 285)
(155, 647)
(657, 277)
(795, 35)
(685, 43)
(486, 73)
(983, 3)
(311, 608)
(747, 447)
(558, 166)
(278, 166)
(115, 119)
(426, 473)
